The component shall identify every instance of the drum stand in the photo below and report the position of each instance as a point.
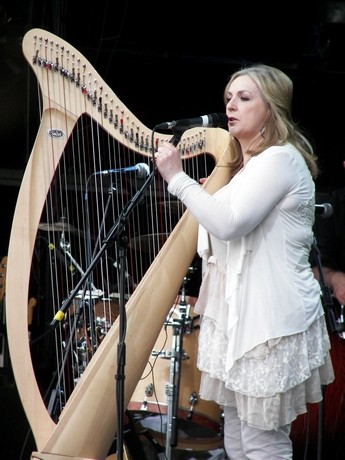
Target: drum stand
(172, 388)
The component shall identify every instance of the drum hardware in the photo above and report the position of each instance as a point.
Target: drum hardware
(198, 430)
(167, 354)
(87, 325)
(181, 326)
(91, 323)
(148, 394)
(191, 324)
(172, 388)
(336, 315)
(66, 248)
(116, 295)
(92, 334)
(341, 323)
(87, 294)
(156, 406)
(193, 398)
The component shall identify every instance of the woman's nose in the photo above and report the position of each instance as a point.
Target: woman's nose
(230, 105)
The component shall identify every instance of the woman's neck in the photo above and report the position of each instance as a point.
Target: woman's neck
(246, 158)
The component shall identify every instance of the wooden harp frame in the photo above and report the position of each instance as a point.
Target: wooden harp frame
(87, 425)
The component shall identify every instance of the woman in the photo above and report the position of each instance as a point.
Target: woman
(263, 344)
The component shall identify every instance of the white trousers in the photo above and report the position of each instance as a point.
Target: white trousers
(242, 442)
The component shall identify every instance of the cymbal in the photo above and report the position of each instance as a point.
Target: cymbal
(58, 227)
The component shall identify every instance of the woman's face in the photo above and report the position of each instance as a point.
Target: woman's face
(246, 110)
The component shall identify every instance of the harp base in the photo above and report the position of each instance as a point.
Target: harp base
(46, 456)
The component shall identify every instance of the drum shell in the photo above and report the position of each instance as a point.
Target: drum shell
(152, 395)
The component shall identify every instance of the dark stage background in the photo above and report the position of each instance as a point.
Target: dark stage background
(165, 61)
(168, 62)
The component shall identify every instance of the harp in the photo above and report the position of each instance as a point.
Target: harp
(65, 207)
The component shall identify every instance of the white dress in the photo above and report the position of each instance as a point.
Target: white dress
(263, 341)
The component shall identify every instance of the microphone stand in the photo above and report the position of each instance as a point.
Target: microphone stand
(327, 303)
(116, 232)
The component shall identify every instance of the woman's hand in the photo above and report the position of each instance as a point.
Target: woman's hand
(168, 161)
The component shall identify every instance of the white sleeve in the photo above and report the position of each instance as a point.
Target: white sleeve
(267, 179)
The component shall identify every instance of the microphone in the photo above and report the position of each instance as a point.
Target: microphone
(325, 210)
(141, 169)
(215, 120)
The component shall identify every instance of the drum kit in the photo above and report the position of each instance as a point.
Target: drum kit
(165, 407)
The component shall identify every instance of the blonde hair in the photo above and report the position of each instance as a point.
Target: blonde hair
(276, 89)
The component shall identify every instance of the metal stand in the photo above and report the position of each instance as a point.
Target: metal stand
(173, 387)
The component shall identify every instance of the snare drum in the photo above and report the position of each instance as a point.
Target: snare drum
(199, 421)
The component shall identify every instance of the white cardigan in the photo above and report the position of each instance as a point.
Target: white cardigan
(259, 227)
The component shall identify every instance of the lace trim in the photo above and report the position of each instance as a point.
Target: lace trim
(272, 384)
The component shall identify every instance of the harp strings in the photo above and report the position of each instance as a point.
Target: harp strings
(82, 206)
